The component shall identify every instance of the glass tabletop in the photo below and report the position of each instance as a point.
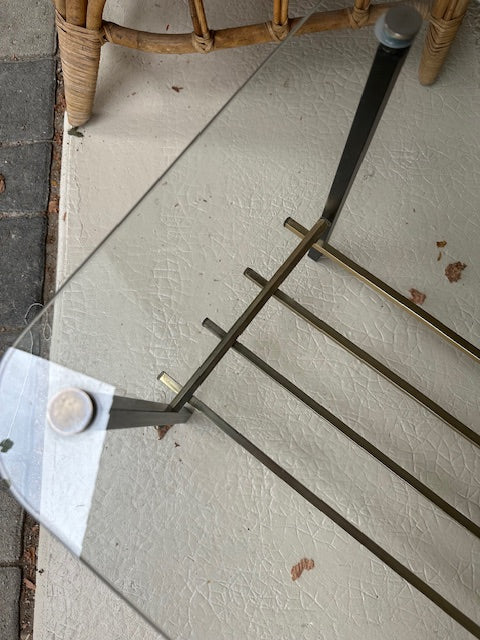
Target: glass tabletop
(213, 528)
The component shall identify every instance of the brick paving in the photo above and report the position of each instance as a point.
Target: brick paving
(27, 98)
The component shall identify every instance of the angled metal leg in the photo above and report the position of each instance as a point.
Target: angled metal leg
(396, 34)
(250, 313)
(401, 26)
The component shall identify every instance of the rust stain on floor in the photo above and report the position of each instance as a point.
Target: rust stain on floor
(454, 271)
(417, 296)
(305, 564)
(162, 431)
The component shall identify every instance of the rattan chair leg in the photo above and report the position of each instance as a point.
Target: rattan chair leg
(80, 57)
(445, 20)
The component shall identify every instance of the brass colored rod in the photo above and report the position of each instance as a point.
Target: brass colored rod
(388, 292)
(322, 506)
(347, 431)
(369, 360)
(249, 314)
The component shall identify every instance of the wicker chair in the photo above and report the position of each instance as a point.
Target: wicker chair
(82, 32)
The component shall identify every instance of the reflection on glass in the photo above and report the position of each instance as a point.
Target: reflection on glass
(188, 528)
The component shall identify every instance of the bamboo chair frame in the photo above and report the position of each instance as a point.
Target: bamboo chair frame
(82, 32)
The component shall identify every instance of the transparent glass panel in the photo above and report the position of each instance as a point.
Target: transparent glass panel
(190, 529)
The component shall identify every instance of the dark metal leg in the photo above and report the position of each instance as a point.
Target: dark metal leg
(386, 66)
(404, 23)
(248, 315)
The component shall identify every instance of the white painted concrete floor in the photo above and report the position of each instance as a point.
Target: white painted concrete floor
(418, 185)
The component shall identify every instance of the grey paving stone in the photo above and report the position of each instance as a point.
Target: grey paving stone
(26, 169)
(22, 255)
(28, 28)
(10, 582)
(10, 526)
(27, 93)
(7, 338)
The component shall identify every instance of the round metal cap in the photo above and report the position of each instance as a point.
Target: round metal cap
(398, 27)
(70, 411)
(402, 22)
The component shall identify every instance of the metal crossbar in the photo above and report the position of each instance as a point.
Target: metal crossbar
(388, 292)
(369, 360)
(355, 437)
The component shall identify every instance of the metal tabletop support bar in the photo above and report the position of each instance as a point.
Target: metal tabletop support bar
(374, 548)
(362, 355)
(125, 416)
(73, 410)
(347, 431)
(396, 34)
(249, 315)
(388, 292)
(132, 412)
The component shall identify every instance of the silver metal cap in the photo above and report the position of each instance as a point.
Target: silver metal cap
(403, 22)
(70, 411)
(398, 27)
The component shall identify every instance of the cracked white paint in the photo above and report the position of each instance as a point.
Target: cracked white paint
(200, 536)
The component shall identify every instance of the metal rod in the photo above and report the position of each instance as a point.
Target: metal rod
(369, 360)
(248, 315)
(383, 74)
(406, 22)
(72, 410)
(388, 292)
(374, 548)
(130, 419)
(347, 431)
(126, 413)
